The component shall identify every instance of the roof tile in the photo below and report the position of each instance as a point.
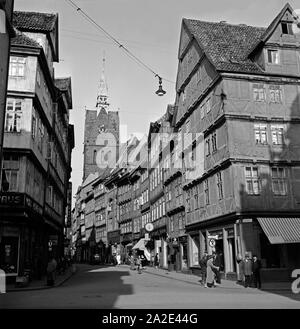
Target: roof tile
(227, 45)
(33, 21)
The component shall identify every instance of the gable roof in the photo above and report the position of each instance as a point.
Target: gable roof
(33, 21)
(227, 46)
(268, 32)
(21, 39)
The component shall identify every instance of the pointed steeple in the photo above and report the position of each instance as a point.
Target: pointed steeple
(103, 89)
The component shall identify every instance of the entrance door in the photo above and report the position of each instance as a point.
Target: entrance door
(9, 250)
(231, 255)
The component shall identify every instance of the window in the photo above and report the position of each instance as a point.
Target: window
(198, 76)
(275, 94)
(17, 66)
(273, 56)
(33, 123)
(208, 105)
(11, 171)
(188, 201)
(196, 198)
(259, 92)
(220, 185)
(180, 221)
(38, 78)
(50, 195)
(207, 147)
(94, 156)
(277, 134)
(206, 191)
(202, 110)
(183, 97)
(279, 181)
(13, 115)
(252, 180)
(171, 224)
(214, 142)
(287, 28)
(260, 131)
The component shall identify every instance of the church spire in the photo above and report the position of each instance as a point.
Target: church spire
(103, 89)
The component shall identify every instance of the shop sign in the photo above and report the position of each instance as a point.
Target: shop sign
(214, 237)
(212, 242)
(11, 199)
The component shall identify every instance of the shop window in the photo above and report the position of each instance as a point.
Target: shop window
(9, 246)
(270, 253)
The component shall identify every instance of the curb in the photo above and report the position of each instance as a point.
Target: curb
(43, 287)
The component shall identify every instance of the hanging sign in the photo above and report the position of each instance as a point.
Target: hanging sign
(212, 242)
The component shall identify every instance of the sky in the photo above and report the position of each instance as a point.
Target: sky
(150, 29)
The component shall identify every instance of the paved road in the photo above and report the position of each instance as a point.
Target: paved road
(117, 287)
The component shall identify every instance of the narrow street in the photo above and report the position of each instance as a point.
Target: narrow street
(96, 287)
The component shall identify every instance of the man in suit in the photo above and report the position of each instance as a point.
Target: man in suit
(256, 272)
(218, 262)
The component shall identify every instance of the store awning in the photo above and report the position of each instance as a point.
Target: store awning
(281, 230)
(140, 245)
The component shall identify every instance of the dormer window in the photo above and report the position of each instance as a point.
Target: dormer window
(273, 56)
(287, 28)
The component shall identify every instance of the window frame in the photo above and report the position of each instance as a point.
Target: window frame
(252, 179)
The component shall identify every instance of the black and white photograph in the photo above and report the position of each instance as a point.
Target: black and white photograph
(149, 159)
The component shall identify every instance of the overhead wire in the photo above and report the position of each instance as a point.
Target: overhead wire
(120, 45)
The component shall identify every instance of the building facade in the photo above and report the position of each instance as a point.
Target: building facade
(38, 141)
(245, 107)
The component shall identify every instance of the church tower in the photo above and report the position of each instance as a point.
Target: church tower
(101, 133)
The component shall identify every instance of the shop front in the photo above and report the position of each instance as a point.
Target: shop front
(159, 244)
(23, 237)
(276, 242)
(220, 239)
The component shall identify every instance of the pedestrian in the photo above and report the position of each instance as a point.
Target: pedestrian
(132, 267)
(139, 264)
(256, 264)
(203, 269)
(210, 274)
(156, 261)
(248, 270)
(118, 259)
(240, 262)
(51, 271)
(218, 261)
(143, 260)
